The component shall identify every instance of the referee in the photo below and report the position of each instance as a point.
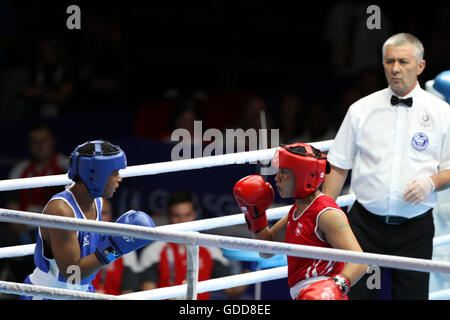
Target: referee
(397, 143)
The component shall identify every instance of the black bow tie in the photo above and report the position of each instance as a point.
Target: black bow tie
(396, 100)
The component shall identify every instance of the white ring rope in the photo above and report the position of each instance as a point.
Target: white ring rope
(170, 233)
(17, 251)
(212, 284)
(154, 294)
(441, 240)
(234, 281)
(440, 295)
(167, 292)
(196, 238)
(52, 293)
(197, 225)
(28, 249)
(157, 168)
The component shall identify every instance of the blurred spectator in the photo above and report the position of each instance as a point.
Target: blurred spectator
(163, 264)
(49, 85)
(440, 47)
(109, 278)
(101, 63)
(150, 127)
(43, 161)
(318, 123)
(368, 81)
(354, 47)
(186, 110)
(255, 116)
(289, 118)
(250, 116)
(12, 107)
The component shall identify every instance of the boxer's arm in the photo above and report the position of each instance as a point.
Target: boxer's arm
(64, 244)
(334, 181)
(337, 232)
(276, 233)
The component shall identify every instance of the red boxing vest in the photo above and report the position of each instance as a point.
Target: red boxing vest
(304, 230)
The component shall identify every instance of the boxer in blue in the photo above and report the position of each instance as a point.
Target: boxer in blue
(59, 254)
(442, 84)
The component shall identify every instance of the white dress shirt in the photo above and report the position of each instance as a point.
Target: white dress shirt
(387, 147)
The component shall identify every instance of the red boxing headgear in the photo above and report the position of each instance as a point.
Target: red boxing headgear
(308, 164)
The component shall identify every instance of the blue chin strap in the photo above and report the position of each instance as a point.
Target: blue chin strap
(94, 169)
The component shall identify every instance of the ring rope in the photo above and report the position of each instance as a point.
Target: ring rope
(234, 281)
(157, 168)
(17, 251)
(212, 223)
(189, 164)
(441, 240)
(211, 284)
(28, 249)
(52, 293)
(195, 238)
(168, 292)
(154, 294)
(197, 225)
(439, 295)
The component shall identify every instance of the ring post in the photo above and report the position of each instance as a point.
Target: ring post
(192, 252)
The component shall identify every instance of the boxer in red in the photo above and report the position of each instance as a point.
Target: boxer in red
(314, 220)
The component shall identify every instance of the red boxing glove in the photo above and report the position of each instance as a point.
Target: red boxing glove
(335, 288)
(254, 196)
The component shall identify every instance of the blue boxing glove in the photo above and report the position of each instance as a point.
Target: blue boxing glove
(442, 84)
(113, 247)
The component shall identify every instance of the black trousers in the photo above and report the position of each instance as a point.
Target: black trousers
(413, 238)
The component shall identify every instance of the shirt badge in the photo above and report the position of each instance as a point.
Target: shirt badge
(86, 240)
(425, 121)
(298, 230)
(420, 141)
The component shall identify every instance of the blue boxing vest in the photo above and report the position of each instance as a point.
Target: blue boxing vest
(46, 272)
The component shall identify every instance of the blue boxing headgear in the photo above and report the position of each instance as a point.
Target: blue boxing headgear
(442, 84)
(95, 168)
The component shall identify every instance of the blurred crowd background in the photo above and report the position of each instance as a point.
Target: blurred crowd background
(137, 71)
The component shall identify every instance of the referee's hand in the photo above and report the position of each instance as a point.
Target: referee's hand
(418, 190)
